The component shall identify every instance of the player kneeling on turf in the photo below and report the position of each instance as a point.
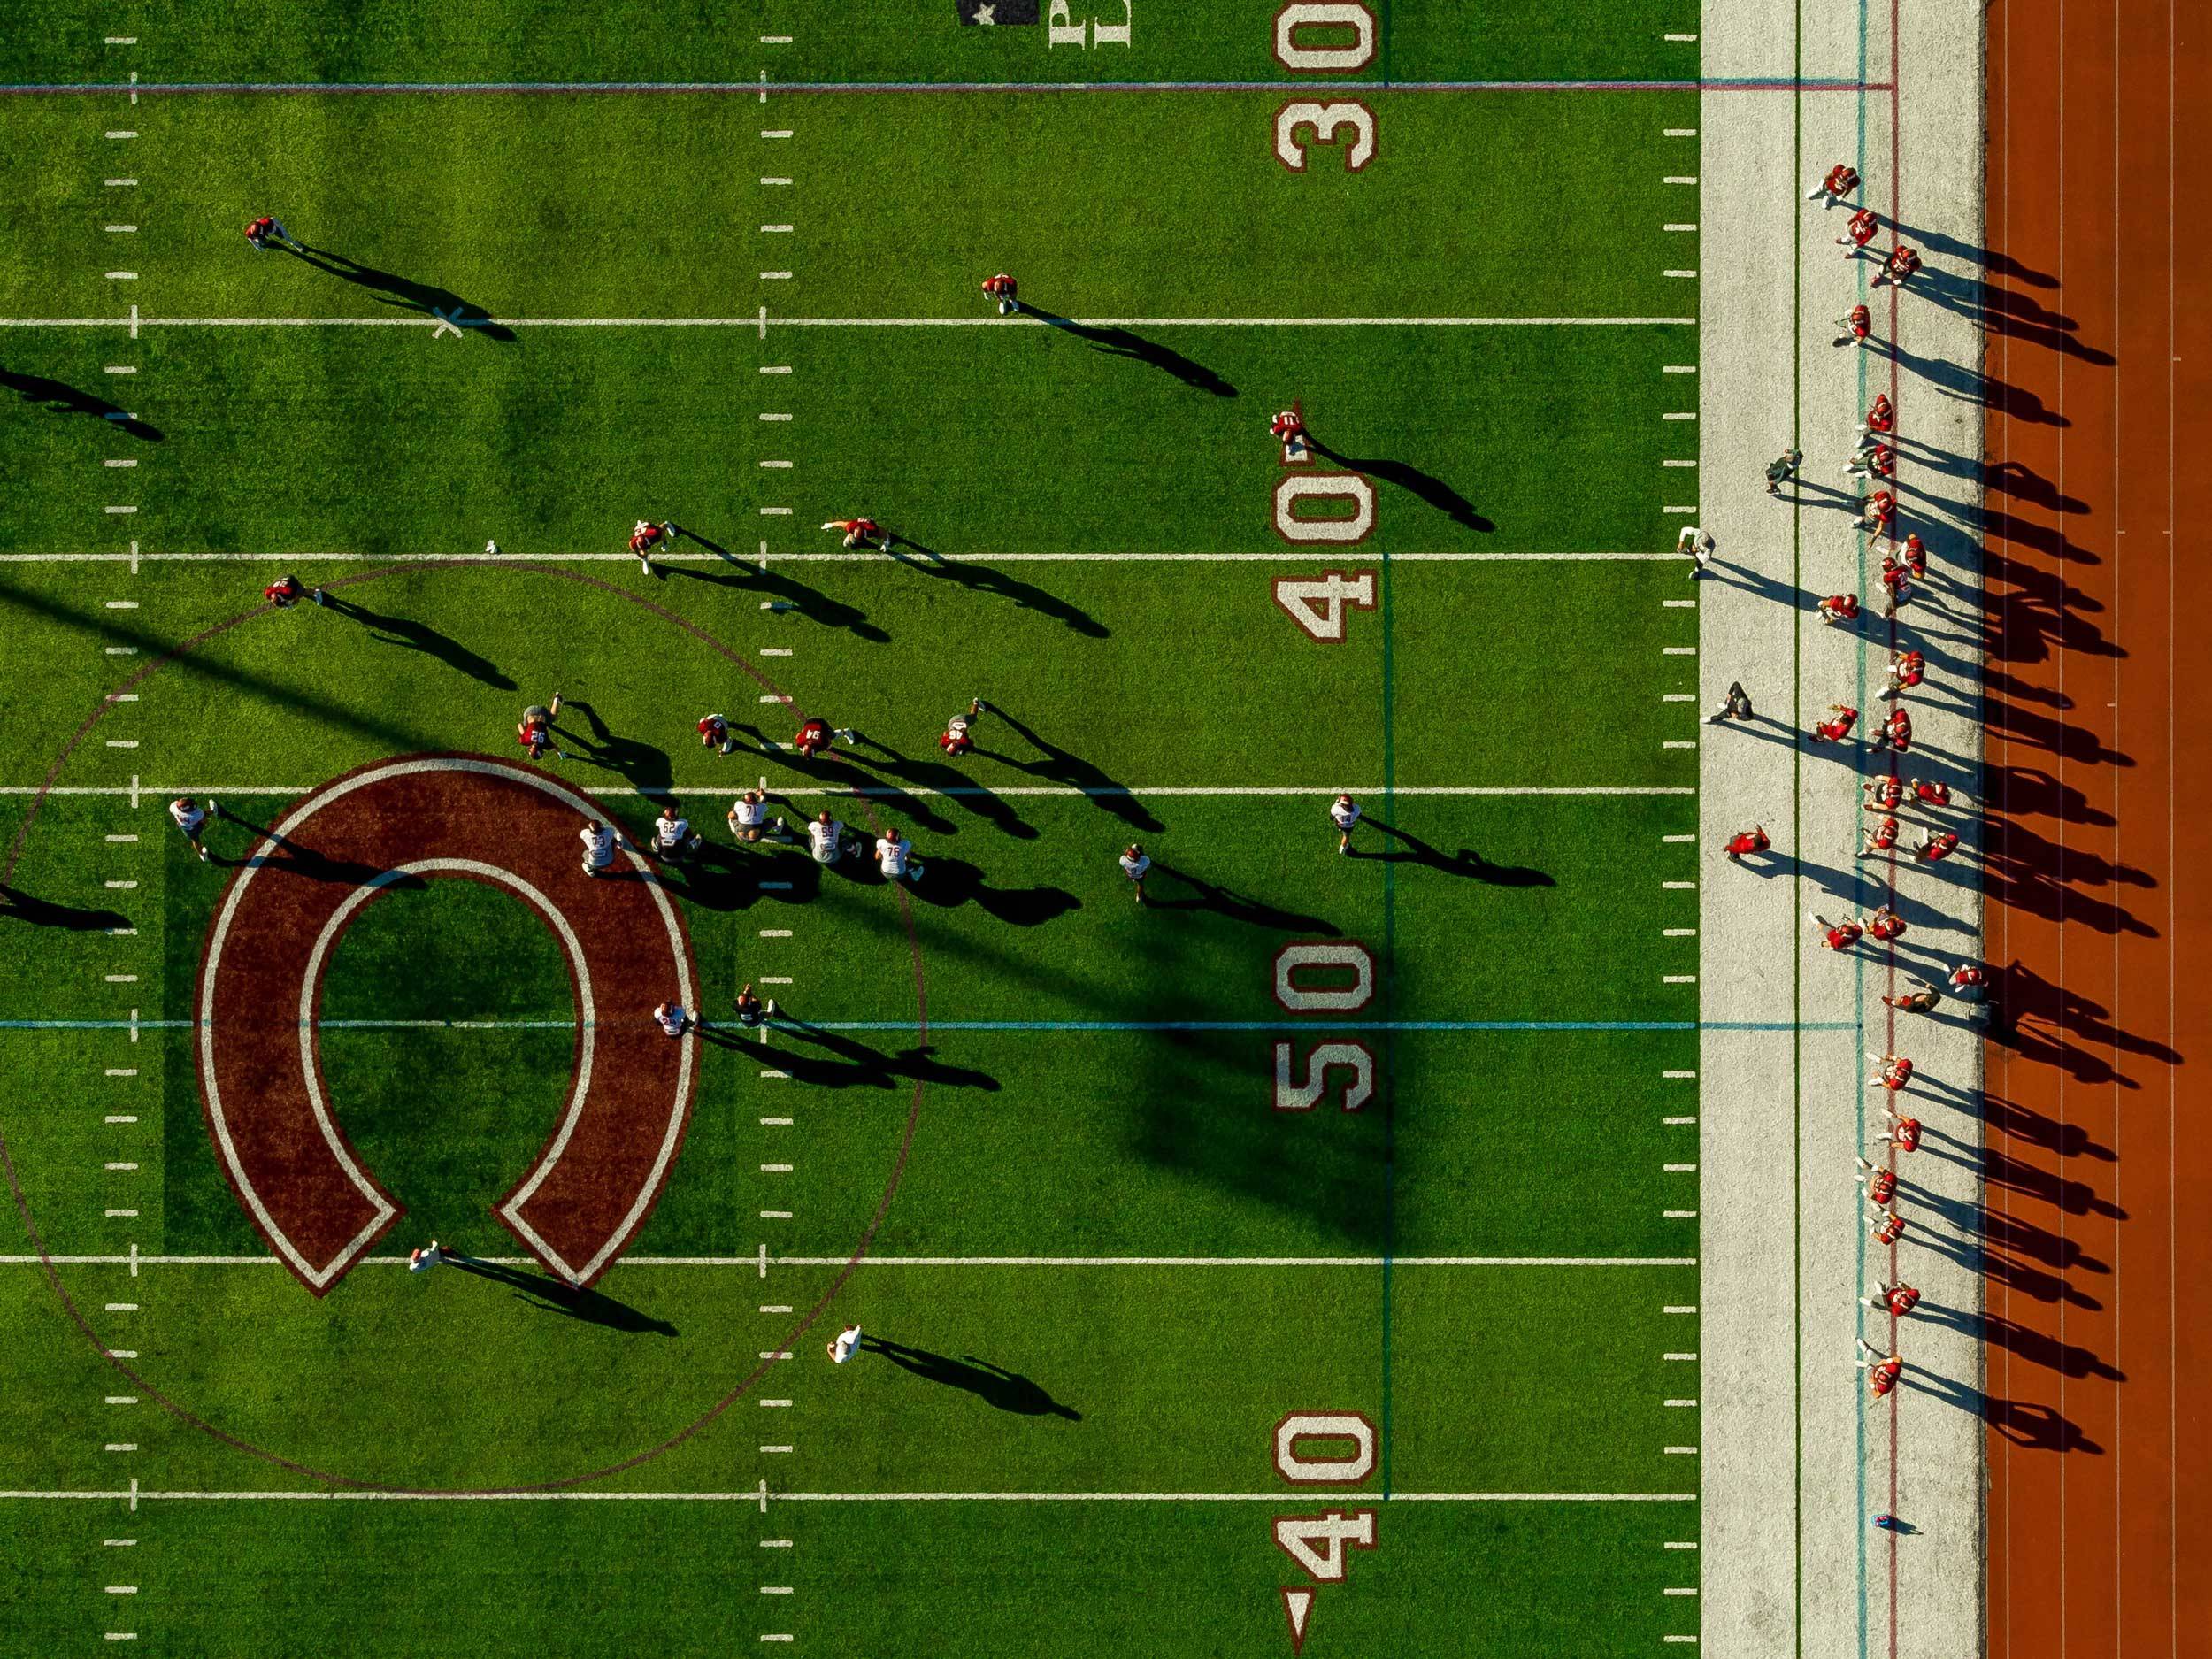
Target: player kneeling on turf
(672, 836)
(749, 819)
(825, 839)
(895, 856)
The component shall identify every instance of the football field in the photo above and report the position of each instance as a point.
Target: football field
(1303, 1259)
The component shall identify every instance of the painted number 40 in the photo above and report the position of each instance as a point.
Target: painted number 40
(1318, 603)
(1322, 1449)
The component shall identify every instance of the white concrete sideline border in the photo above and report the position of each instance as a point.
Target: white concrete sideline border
(1797, 1457)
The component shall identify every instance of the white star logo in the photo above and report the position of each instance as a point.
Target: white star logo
(983, 13)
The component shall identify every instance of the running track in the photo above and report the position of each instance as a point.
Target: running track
(2099, 1160)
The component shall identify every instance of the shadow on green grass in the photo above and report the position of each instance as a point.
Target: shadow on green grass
(18, 906)
(1425, 486)
(1234, 906)
(1122, 342)
(405, 293)
(810, 602)
(845, 1061)
(649, 769)
(388, 630)
(1072, 770)
(997, 1387)
(986, 579)
(61, 398)
(1466, 862)
(167, 653)
(593, 1307)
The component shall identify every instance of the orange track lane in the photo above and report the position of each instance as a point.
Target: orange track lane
(2097, 1158)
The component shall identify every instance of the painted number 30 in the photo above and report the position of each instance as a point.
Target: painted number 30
(1325, 37)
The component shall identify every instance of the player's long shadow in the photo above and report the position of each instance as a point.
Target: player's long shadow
(810, 602)
(1720, 570)
(199, 663)
(1466, 862)
(18, 906)
(1971, 386)
(404, 292)
(971, 796)
(420, 636)
(994, 1385)
(715, 878)
(844, 1062)
(297, 859)
(1064, 767)
(1121, 343)
(1426, 486)
(649, 769)
(64, 399)
(2037, 1347)
(593, 1307)
(948, 883)
(985, 579)
(1237, 907)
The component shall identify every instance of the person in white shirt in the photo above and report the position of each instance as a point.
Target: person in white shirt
(671, 835)
(422, 1261)
(845, 1344)
(825, 839)
(1344, 812)
(599, 844)
(189, 816)
(671, 1017)
(1134, 864)
(894, 857)
(749, 820)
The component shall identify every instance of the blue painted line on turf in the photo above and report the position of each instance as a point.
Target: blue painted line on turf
(693, 88)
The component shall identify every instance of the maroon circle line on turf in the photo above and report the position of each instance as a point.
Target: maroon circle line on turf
(559, 1483)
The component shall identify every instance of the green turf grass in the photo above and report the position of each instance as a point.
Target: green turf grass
(686, 41)
(1127, 680)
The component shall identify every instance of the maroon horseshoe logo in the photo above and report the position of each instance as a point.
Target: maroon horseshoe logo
(260, 992)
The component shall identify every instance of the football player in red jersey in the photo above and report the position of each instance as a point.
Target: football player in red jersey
(1904, 1132)
(645, 539)
(1860, 232)
(1880, 1184)
(1900, 267)
(1839, 182)
(1837, 935)
(1836, 730)
(1746, 841)
(1004, 289)
(1882, 1369)
(1897, 1298)
(1839, 608)
(266, 230)
(1888, 1228)
(860, 534)
(1895, 1073)
(714, 732)
(1878, 838)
